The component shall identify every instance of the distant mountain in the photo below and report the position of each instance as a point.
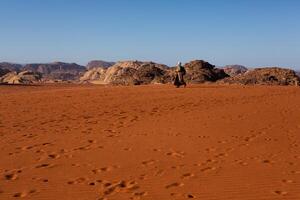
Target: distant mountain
(10, 66)
(298, 73)
(233, 70)
(57, 70)
(99, 63)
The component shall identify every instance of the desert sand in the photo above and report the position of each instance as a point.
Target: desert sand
(154, 142)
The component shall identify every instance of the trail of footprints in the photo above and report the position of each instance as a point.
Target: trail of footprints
(108, 188)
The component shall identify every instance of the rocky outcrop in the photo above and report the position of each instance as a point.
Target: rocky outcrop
(127, 73)
(24, 77)
(265, 76)
(199, 71)
(57, 70)
(234, 70)
(99, 64)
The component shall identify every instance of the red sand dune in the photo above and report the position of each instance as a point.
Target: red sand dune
(149, 142)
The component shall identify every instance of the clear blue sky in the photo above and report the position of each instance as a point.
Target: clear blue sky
(248, 32)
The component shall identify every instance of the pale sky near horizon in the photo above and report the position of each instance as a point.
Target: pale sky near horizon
(248, 32)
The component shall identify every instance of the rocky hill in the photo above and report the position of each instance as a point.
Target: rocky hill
(234, 70)
(265, 76)
(99, 64)
(57, 70)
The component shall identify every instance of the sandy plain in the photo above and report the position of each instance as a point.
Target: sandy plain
(156, 142)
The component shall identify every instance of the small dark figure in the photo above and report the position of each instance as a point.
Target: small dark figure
(179, 78)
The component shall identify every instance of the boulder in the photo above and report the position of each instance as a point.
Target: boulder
(265, 76)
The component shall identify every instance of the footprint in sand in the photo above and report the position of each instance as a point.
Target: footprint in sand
(10, 177)
(221, 155)
(208, 169)
(187, 175)
(287, 181)
(190, 196)
(13, 175)
(148, 162)
(177, 166)
(279, 192)
(159, 172)
(20, 194)
(53, 156)
(45, 165)
(92, 141)
(266, 161)
(105, 169)
(156, 150)
(77, 181)
(24, 194)
(121, 186)
(177, 154)
(143, 177)
(172, 185)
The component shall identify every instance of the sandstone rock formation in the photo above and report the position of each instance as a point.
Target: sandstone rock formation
(199, 71)
(234, 70)
(57, 70)
(24, 77)
(265, 76)
(99, 64)
(127, 73)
